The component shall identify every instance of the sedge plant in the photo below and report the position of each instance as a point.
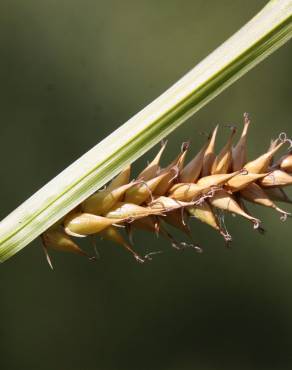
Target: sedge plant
(69, 206)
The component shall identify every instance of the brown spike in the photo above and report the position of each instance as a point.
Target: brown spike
(239, 157)
(209, 155)
(223, 160)
(153, 167)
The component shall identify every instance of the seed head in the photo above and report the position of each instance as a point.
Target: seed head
(206, 188)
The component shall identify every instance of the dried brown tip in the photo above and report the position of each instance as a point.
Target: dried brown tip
(222, 162)
(122, 179)
(209, 155)
(239, 156)
(153, 167)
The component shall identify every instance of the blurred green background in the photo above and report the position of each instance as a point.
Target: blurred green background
(71, 72)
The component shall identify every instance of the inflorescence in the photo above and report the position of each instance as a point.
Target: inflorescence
(205, 188)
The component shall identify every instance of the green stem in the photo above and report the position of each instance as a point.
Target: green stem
(265, 33)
